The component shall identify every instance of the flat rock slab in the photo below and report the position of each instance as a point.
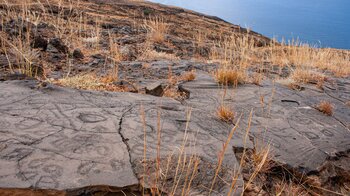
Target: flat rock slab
(59, 139)
(63, 139)
(300, 136)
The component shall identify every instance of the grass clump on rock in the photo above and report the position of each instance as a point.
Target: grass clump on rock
(225, 113)
(230, 77)
(325, 107)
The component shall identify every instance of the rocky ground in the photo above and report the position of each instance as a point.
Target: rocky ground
(104, 23)
(154, 129)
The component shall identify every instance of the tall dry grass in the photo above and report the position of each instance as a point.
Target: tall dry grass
(302, 55)
(26, 58)
(18, 51)
(65, 19)
(156, 28)
(240, 52)
(175, 173)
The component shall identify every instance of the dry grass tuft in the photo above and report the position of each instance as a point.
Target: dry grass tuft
(90, 82)
(230, 76)
(325, 107)
(188, 76)
(257, 78)
(295, 86)
(146, 65)
(347, 103)
(260, 162)
(26, 59)
(307, 76)
(174, 93)
(290, 188)
(87, 81)
(149, 54)
(114, 51)
(225, 113)
(262, 157)
(157, 29)
(235, 50)
(290, 83)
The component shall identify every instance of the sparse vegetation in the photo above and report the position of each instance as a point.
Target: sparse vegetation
(326, 107)
(242, 53)
(91, 82)
(305, 56)
(257, 78)
(25, 59)
(289, 188)
(307, 76)
(347, 103)
(174, 93)
(225, 114)
(149, 54)
(188, 76)
(230, 76)
(157, 29)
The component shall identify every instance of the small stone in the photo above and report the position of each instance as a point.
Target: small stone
(51, 49)
(127, 85)
(161, 48)
(155, 89)
(78, 54)
(128, 52)
(127, 40)
(135, 65)
(59, 45)
(40, 42)
(2, 146)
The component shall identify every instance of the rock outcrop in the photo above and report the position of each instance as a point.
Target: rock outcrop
(62, 139)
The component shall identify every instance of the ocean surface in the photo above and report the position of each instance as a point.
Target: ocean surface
(325, 23)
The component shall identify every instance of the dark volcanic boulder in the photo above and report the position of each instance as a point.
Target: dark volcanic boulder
(40, 42)
(59, 45)
(78, 54)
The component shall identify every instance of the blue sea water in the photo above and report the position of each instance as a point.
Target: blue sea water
(322, 22)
